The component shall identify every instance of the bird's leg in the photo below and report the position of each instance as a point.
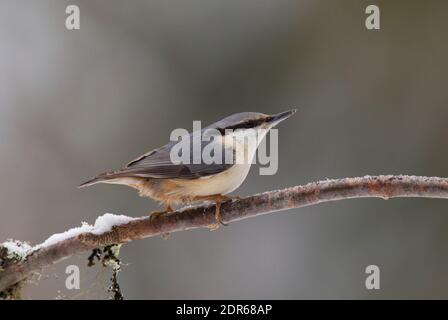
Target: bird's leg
(218, 199)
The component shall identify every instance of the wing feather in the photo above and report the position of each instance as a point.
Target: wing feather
(157, 164)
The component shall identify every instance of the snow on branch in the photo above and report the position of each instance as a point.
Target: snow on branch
(18, 260)
(102, 225)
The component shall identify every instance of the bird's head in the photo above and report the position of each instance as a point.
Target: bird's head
(247, 129)
(250, 121)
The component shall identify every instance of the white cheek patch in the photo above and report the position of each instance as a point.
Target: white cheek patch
(245, 143)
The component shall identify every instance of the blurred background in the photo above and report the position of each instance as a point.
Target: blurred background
(76, 103)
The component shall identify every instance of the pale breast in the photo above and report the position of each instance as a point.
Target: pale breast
(222, 183)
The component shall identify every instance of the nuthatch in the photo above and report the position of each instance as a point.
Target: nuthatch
(155, 175)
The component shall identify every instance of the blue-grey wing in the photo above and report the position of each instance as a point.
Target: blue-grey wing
(158, 163)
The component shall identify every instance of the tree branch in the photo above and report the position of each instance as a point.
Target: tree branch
(203, 216)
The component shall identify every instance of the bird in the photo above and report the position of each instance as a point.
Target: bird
(155, 174)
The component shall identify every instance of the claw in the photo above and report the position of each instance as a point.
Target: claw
(218, 214)
(218, 219)
(156, 214)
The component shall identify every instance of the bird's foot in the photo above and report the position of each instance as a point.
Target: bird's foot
(218, 220)
(156, 214)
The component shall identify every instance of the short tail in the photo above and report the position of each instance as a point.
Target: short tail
(102, 177)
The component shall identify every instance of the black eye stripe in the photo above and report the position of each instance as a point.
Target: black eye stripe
(243, 125)
(221, 130)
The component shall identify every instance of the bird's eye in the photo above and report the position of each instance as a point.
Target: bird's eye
(245, 125)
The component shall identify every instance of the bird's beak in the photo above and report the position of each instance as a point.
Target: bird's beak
(279, 117)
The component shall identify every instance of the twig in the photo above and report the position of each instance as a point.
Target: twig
(203, 216)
